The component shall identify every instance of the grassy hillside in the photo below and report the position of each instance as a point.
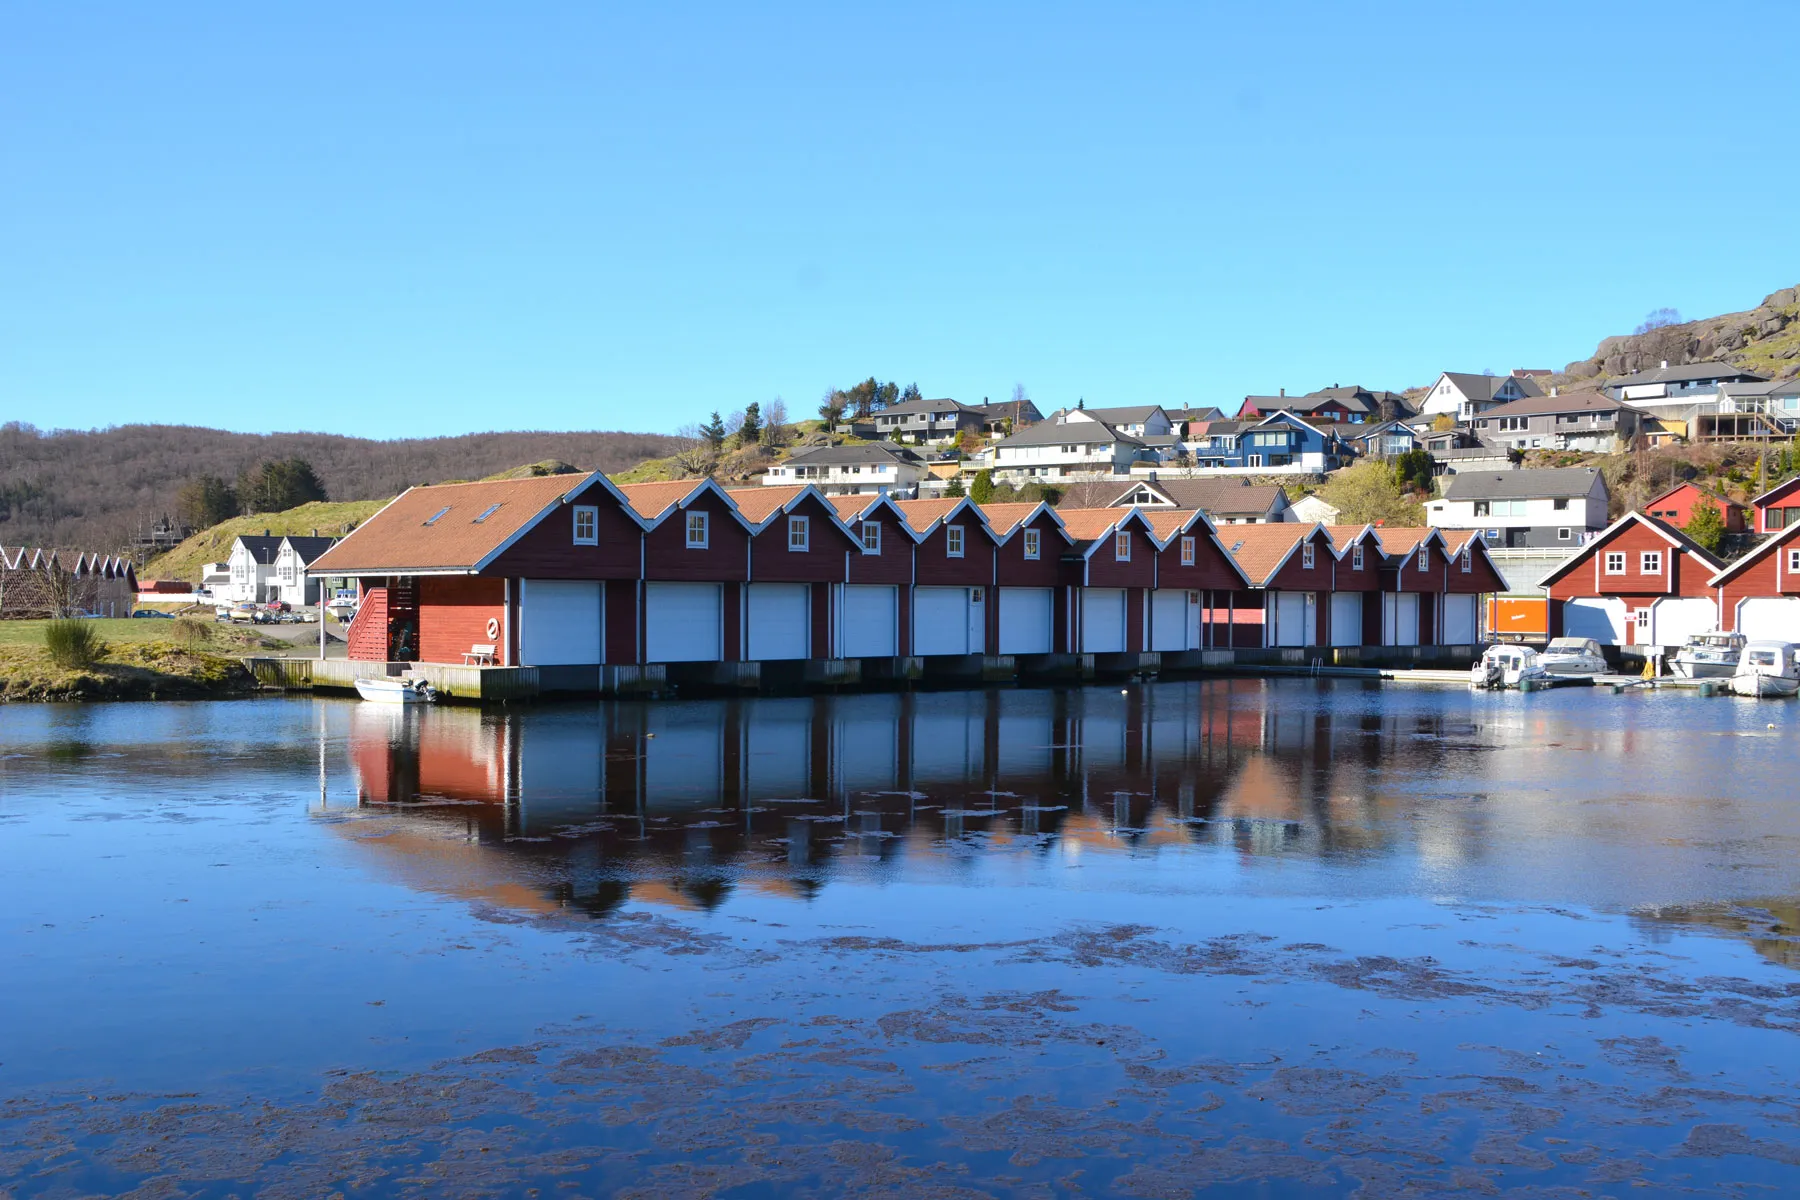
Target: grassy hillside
(329, 518)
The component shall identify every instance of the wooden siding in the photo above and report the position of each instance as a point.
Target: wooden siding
(368, 632)
(1211, 569)
(548, 551)
(453, 614)
(1105, 570)
(974, 569)
(725, 559)
(771, 561)
(895, 562)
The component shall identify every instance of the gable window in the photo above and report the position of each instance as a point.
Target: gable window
(696, 531)
(1424, 558)
(1122, 546)
(871, 537)
(1356, 557)
(1306, 556)
(1187, 551)
(587, 526)
(1468, 556)
(1615, 562)
(1650, 563)
(1034, 542)
(953, 541)
(799, 533)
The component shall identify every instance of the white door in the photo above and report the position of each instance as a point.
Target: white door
(1294, 619)
(1102, 620)
(871, 621)
(1169, 620)
(1601, 618)
(1674, 619)
(778, 624)
(1459, 621)
(559, 622)
(682, 622)
(978, 620)
(1400, 618)
(1770, 618)
(1025, 620)
(1346, 618)
(941, 620)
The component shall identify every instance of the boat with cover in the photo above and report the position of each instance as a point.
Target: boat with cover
(1573, 656)
(1767, 669)
(1507, 667)
(1709, 656)
(396, 691)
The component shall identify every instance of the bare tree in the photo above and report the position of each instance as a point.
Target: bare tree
(694, 455)
(775, 430)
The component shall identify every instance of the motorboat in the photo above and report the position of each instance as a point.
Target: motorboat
(396, 691)
(1767, 669)
(1507, 667)
(1573, 656)
(1709, 656)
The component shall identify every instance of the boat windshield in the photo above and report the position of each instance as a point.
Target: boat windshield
(1567, 646)
(1762, 658)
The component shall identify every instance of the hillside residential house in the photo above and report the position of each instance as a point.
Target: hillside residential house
(251, 565)
(1465, 396)
(1638, 582)
(293, 556)
(872, 468)
(1352, 405)
(215, 579)
(1008, 416)
(1280, 442)
(1389, 439)
(1676, 507)
(1778, 508)
(1143, 420)
(1228, 500)
(1311, 510)
(1552, 507)
(1769, 408)
(1586, 420)
(1685, 383)
(934, 421)
(1064, 447)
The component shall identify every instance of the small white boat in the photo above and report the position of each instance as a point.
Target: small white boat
(1767, 669)
(1573, 656)
(396, 691)
(1507, 667)
(1709, 656)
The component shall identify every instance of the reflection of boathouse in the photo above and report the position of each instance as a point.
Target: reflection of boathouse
(681, 802)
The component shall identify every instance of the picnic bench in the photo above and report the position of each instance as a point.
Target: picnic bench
(479, 656)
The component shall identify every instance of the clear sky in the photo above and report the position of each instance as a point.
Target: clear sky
(419, 218)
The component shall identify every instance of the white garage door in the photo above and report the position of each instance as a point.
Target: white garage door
(1459, 621)
(1600, 618)
(1025, 620)
(682, 622)
(559, 622)
(944, 621)
(1174, 623)
(871, 621)
(1674, 619)
(1400, 618)
(1294, 622)
(1102, 620)
(1346, 618)
(1770, 618)
(778, 625)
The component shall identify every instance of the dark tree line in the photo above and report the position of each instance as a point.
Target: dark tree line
(270, 486)
(863, 400)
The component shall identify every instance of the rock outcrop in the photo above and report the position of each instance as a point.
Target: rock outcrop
(1765, 339)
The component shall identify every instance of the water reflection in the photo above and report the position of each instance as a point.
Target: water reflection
(682, 803)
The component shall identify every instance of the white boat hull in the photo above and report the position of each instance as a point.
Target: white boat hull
(1765, 685)
(393, 691)
(1688, 668)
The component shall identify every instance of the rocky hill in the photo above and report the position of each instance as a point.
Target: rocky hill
(1764, 339)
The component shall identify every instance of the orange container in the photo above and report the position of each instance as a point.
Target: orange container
(1519, 616)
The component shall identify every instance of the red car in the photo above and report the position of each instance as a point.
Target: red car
(280, 606)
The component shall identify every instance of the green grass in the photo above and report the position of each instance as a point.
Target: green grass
(329, 517)
(130, 631)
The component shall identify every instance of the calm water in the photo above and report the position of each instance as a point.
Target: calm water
(1254, 938)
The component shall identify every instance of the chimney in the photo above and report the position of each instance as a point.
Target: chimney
(1553, 389)
(1284, 391)
(265, 533)
(1665, 364)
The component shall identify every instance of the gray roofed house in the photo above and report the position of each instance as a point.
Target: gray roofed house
(1019, 412)
(294, 556)
(1548, 508)
(1539, 483)
(1135, 420)
(868, 467)
(1582, 420)
(939, 420)
(1465, 395)
(1052, 432)
(1686, 375)
(1229, 501)
(1058, 449)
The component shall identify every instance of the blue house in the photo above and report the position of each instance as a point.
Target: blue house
(1280, 441)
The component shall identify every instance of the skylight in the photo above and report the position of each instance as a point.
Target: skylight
(487, 512)
(1236, 546)
(436, 516)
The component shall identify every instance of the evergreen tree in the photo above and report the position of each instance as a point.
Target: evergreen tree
(956, 487)
(1707, 527)
(204, 501)
(982, 490)
(277, 485)
(751, 430)
(713, 432)
(910, 394)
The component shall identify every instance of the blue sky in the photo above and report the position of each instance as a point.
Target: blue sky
(414, 219)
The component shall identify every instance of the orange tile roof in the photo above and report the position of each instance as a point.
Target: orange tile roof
(758, 504)
(1088, 524)
(1169, 522)
(652, 500)
(851, 507)
(399, 539)
(1344, 535)
(1260, 549)
(1002, 518)
(1456, 539)
(923, 514)
(1404, 539)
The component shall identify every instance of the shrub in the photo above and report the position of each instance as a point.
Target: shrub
(192, 633)
(73, 643)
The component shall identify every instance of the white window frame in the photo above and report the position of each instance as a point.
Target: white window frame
(871, 537)
(1794, 562)
(1650, 562)
(699, 531)
(1424, 558)
(590, 515)
(1613, 556)
(1641, 618)
(1122, 546)
(1034, 543)
(799, 534)
(1356, 557)
(1187, 551)
(1468, 556)
(1563, 533)
(953, 541)
(1306, 556)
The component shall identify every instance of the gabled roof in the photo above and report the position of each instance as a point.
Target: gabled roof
(863, 452)
(308, 548)
(1260, 551)
(1404, 539)
(1775, 493)
(1309, 403)
(1567, 402)
(1074, 433)
(1723, 501)
(1537, 484)
(1089, 528)
(653, 503)
(1207, 413)
(1223, 496)
(942, 404)
(1483, 387)
(1005, 519)
(1685, 373)
(923, 516)
(1285, 416)
(860, 508)
(1135, 414)
(1168, 524)
(1345, 536)
(1766, 387)
(261, 547)
(449, 526)
(1743, 564)
(1662, 529)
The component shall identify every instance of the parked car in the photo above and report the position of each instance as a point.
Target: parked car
(279, 606)
(247, 611)
(151, 612)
